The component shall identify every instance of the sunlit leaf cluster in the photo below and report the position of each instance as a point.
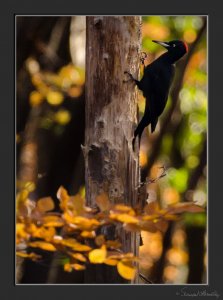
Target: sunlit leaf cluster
(52, 90)
(52, 87)
(75, 231)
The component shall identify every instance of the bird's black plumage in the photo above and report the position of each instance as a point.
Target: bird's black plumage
(155, 84)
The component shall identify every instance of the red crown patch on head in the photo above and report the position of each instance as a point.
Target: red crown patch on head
(186, 46)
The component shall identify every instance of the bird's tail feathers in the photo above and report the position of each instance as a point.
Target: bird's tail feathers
(153, 124)
(139, 130)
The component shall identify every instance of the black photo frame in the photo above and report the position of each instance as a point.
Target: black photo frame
(214, 288)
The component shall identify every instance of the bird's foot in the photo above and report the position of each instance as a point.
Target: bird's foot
(143, 57)
(130, 77)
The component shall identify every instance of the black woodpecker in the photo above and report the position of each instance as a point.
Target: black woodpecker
(155, 84)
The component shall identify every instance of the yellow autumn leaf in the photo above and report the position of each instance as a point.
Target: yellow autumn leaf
(68, 242)
(27, 185)
(162, 225)
(54, 98)
(24, 208)
(63, 196)
(81, 222)
(78, 267)
(44, 233)
(62, 193)
(98, 256)
(124, 218)
(111, 262)
(115, 255)
(148, 226)
(115, 244)
(22, 254)
(124, 209)
(69, 267)
(132, 227)
(170, 217)
(57, 239)
(184, 207)
(22, 196)
(151, 208)
(76, 246)
(21, 233)
(68, 217)
(102, 202)
(78, 256)
(76, 204)
(31, 228)
(150, 217)
(81, 247)
(99, 240)
(32, 255)
(52, 221)
(88, 234)
(30, 186)
(126, 270)
(45, 204)
(42, 245)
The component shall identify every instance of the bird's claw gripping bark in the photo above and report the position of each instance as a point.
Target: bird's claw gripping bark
(130, 75)
(143, 57)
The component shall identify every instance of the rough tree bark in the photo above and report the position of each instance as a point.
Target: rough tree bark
(111, 166)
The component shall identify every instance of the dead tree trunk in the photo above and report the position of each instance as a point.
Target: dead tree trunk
(111, 166)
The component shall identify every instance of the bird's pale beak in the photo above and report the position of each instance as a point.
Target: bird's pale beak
(164, 44)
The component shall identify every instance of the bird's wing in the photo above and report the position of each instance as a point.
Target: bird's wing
(160, 81)
(155, 97)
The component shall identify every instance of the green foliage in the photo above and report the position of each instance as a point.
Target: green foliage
(199, 219)
(178, 179)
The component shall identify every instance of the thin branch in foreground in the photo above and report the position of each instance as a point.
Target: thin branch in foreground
(148, 180)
